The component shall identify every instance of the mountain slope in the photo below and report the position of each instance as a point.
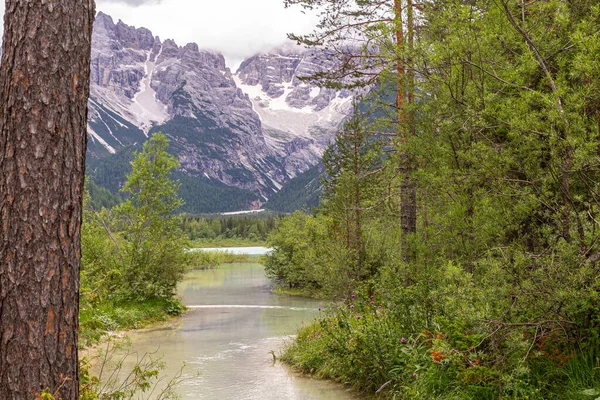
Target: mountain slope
(301, 193)
(252, 131)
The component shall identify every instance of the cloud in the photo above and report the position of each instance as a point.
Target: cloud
(236, 28)
(135, 3)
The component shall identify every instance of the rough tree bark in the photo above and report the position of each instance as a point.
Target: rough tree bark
(44, 83)
(406, 127)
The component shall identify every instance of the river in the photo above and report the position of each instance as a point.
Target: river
(233, 324)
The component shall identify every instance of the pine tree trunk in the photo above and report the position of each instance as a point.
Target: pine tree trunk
(408, 197)
(44, 82)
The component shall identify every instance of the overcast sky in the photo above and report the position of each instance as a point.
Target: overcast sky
(236, 28)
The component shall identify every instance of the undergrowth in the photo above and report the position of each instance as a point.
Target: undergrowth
(98, 320)
(397, 342)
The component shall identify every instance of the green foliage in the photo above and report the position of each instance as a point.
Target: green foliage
(133, 255)
(342, 244)
(310, 253)
(500, 298)
(420, 341)
(202, 259)
(218, 229)
(233, 242)
(101, 316)
(100, 197)
(153, 245)
(297, 260)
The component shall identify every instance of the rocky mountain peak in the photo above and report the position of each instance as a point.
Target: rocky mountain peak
(253, 130)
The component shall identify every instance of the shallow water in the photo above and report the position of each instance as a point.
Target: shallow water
(233, 325)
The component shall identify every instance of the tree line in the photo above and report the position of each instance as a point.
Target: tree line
(255, 228)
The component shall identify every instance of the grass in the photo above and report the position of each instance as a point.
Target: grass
(212, 259)
(299, 292)
(96, 320)
(369, 344)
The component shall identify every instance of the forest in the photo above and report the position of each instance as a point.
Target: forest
(458, 233)
(222, 229)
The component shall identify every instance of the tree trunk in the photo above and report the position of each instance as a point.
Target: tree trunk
(405, 81)
(44, 82)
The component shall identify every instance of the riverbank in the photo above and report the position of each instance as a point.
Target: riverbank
(96, 321)
(282, 290)
(210, 257)
(378, 342)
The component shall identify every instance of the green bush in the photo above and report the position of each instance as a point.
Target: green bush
(134, 254)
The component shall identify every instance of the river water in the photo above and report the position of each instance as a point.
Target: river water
(227, 336)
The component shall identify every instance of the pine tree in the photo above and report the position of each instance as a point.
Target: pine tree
(44, 78)
(369, 41)
(352, 181)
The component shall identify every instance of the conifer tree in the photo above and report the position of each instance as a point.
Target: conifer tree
(353, 170)
(44, 81)
(367, 41)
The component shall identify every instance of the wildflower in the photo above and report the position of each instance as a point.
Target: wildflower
(358, 317)
(378, 306)
(437, 356)
(415, 374)
(371, 297)
(403, 340)
(319, 308)
(351, 305)
(372, 302)
(353, 295)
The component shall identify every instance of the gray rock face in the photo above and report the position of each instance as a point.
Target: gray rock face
(223, 139)
(119, 52)
(298, 118)
(255, 129)
(279, 75)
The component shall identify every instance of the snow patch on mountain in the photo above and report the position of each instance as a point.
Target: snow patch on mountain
(145, 105)
(254, 130)
(97, 138)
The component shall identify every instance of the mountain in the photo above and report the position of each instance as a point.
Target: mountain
(240, 137)
(301, 193)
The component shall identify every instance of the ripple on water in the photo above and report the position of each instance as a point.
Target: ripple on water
(229, 335)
